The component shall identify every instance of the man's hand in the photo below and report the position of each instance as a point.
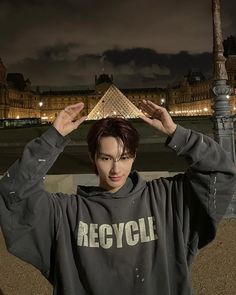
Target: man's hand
(65, 122)
(160, 118)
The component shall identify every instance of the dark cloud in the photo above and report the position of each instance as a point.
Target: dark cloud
(58, 52)
(72, 33)
(154, 69)
(136, 67)
(228, 18)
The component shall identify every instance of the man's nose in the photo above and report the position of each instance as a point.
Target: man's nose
(115, 166)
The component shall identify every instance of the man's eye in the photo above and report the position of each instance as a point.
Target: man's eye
(105, 158)
(125, 158)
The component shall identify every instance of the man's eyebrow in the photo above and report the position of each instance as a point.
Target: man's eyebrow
(104, 154)
(125, 153)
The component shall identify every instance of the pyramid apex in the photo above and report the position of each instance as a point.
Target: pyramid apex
(114, 104)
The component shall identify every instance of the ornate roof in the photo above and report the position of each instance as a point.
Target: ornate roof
(114, 104)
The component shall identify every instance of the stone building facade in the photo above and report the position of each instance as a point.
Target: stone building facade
(54, 101)
(193, 96)
(4, 102)
(17, 99)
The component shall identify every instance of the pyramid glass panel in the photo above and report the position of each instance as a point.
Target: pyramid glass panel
(114, 104)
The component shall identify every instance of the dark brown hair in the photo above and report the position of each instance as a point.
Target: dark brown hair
(119, 128)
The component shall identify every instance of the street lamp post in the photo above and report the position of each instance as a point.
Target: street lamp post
(223, 120)
(40, 109)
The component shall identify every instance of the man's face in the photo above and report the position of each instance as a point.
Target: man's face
(113, 164)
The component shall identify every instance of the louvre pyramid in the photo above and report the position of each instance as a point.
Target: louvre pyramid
(114, 104)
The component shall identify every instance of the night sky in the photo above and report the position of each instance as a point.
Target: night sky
(143, 43)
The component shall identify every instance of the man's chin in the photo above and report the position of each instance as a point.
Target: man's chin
(116, 185)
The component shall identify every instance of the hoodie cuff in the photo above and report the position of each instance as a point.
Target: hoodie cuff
(179, 139)
(54, 138)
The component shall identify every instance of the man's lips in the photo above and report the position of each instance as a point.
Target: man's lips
(115, 178)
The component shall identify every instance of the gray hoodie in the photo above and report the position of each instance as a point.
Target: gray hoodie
(140, 240)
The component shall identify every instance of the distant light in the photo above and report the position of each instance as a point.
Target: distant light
(40, 104)
(227, 96)
(162, 100)
(114, 112)
(17, 117)
(44, 118)
(205, 109)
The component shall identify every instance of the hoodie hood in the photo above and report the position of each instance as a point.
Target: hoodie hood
(133, 184)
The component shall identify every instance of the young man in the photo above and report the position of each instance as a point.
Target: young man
(127, 236)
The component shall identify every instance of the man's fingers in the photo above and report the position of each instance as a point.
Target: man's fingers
(160, 118)
(156, 106)
(75, 106)
(153, 110)
(79, 121)
(73, 110)
(151, 105)
(147, 108)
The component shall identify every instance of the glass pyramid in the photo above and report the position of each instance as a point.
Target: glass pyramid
(114, 104)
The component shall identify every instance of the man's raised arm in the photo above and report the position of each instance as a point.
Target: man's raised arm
(28, 214)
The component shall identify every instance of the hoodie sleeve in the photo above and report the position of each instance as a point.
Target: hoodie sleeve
(203, 193)
(28, 213)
